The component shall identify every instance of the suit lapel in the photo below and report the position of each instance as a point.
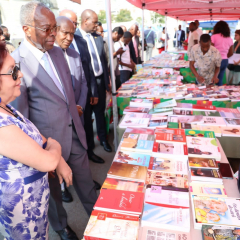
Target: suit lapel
(37, 70)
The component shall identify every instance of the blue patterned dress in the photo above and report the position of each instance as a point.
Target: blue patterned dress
(23, 207)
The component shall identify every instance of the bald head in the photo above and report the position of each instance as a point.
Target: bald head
(89, 21)
(133, 29)
(71, 15)
(123, 28)
(65, 33)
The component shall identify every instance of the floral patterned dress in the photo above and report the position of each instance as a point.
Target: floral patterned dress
(23, 206)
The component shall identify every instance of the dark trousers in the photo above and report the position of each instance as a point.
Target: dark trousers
(99, 111)
(82, 182)
(125, 75)
(179, 43)
(223, 67)
(118, 82)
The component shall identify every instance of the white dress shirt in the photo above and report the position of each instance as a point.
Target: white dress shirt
(75, 45)
(100, 72)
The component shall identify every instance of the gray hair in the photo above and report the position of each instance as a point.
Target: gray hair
(27, 12)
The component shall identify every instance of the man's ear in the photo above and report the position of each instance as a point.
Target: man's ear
(27, 30)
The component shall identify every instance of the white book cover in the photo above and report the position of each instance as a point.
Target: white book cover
(134, 122)
(230, 131)
(216, 129)
(213, 121)
(232, 122)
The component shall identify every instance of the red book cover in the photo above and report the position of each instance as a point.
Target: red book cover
(204, 107)
(204, 102)
(151, 162)
(171, 135)
(120, 201)
(156, 101)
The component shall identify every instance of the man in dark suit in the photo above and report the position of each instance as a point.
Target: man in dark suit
(180, 36)
(80, 45)
(48, 100)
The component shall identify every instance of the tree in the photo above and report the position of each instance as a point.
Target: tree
(157, 18)
(124, 15)
(139, 20)
(102, 16)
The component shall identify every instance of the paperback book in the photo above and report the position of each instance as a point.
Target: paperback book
(206, 175)
(199, 133)
(213, 121)
(175, 136)
(206, 163)
(231, 131)
(170, 103)
(232, 122)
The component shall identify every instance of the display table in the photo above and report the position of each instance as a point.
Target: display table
(231, 189)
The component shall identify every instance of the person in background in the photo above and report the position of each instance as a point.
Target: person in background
(185, 47)
(208, 61)
(150, 36)
(234, 69)
(24, 179)
(6, 34)
(180, 38)
(222, 41)
(161, 41)
(193, 37)
(126, 64)
(133, 45)
(210, 32)
(199, 31)
(2, 37)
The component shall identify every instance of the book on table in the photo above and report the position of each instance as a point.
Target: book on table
(206, 175)
(230, 131)
(215, 210)
(139, 102)
(166, 218)
(206, 163)
(216, 129)
(127, 172)
(135, 110)
(229, 115)
(139, 130)
(134, 122)
(121, 184)
(119, 201)
(199, 133)
(170, 135)
(213, 121)
(206, 189)
(231, 122)
(106, 225)
(159, 122)
(192, 113)
(186, 119)
(170, 103)
(203, 148)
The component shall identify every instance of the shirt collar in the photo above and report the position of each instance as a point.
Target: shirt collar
(83, 32)
(36, 52)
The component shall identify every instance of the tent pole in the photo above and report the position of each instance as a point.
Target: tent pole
(110, 46)
(143, 34)
(165, 32)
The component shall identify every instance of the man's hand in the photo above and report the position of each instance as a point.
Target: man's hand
(200, 79)
(120, 51)
(215, 80)
(93, 100)
(64, 172)
(80, 110)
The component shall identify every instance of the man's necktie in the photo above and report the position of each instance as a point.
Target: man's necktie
(49, 70)
(93, 53)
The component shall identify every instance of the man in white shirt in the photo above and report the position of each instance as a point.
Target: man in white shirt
(194, 38)
(199, 31)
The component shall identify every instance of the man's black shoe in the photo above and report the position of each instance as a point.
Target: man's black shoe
(97, 185)
(67, 234)
(95, 158)
(66, 196)
(106, 146)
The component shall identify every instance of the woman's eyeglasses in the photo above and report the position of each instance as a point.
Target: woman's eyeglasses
(14, 73)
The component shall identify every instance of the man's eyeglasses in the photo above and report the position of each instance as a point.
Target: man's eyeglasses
(66, 33)
(76, 23)
(46, 30)
(14, 72)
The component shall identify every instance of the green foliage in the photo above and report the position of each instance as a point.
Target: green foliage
(157, 18)
(102, 16)
(139, 20)
(124, 16)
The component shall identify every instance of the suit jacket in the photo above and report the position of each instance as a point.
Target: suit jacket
(100, 47)
(87, 66)
(42, 102)
(132, 52)
(182, 38)
(79, 82)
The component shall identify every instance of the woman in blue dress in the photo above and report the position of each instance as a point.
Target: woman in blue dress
(24, 190)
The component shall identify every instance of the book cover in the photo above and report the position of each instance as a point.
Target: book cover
(132, 158)
(125, 185)
(170, 103)
(229, 115)
(216, 210)
(140, 130)
(120, 201)
(200, 133)
(203, 147)
(231, 131)
(173, 125)
(151, 233)
(166, 198)
(200, 102)
(134, 122)
(127, 171)
(177, 137)
(204, 107)
(213, 121)
(158, 123)
(228, 110)
(232, 122)
(167, 179)
(206, 175)
(136, 145)
(186, 119)
(213, 232)
(195, 162)
(167, 218)
(205, 189)
(216, 129)
(177, 166)
(135, 110)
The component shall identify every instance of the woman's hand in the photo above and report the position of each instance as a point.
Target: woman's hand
(64, 172)
(53, 144)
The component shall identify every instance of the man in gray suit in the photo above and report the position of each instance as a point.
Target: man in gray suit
(48, 100)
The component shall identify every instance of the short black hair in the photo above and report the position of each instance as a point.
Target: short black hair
(99, 23)
(205, 38)
(3, 27)
(163, 28)
(119, 30)
(193, 23)
(127, 34)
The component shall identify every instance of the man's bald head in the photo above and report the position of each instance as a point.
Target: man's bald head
(89, 21)
(71, 15)
(123, 28)
(65, 33)
(133, 29)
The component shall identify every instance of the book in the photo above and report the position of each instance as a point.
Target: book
(215, 210)
(205, 189)
(213, 121)
(192, 113)
(160, 122)
(213, 232)
(119, 201)
(167, 218)
(167, 179)
(229, 115)
(120, 184)
(171, 150)
(150, 233)
(134, 122)
(166, 198)
(232, 122)
(127, 172)
(105, 225)
(206, 175)
(230, 131)
(216, 129)
(139, 102)
(178, 136)
(199, 133)
(170, 103)
(206, 163)
(186, 119)
(228, 110)
(135, 110)
(203, 148)
(139, 130)
(177, 166)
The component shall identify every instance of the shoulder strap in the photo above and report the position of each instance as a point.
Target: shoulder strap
(149, 33)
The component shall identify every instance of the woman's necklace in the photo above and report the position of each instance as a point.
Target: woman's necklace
(14, 114)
